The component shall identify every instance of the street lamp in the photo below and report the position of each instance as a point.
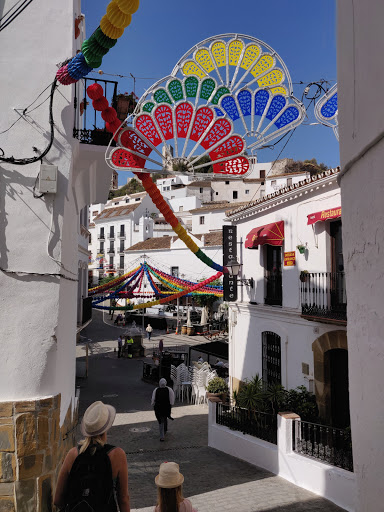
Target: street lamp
(234, 268)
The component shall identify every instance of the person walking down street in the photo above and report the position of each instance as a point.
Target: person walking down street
(149, 331)
(169, 483)
(161, 346)
(94, 476)
(119, 346)
(163, 398)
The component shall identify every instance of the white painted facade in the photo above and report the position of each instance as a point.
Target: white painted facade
(250, 316)
(205, 220)
(116, 233)
(276, 182)
(361, 125)
(39, 239)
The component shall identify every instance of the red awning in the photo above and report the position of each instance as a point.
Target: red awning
(271, 234)
(333, 213)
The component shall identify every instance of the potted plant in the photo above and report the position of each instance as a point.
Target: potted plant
(217, 389)
(301, 248)
(304, 276)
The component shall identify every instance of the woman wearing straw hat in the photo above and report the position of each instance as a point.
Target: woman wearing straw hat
(96, 473)
(169, 483)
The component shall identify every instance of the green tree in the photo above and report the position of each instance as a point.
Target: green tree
(132, 187)
(208, 300)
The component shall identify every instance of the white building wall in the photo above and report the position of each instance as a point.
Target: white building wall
(213, 220)
(361, 118)
(273, 183)
(186, 203)
(39, 237)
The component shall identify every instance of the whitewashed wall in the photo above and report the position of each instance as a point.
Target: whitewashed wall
(38, 314)
(361, 118)
(213, 220)
(282, 181)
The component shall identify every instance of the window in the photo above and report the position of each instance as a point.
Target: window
(122, 230)
(94, 213)
(101, 236)
(271, 343)
(121, 245)
(201, 220)
(234, 194)
(227, 182)
(122, 262)
(137, 199)
(175, 271)
(112, 246)
(127, 200)
(101, 247)
(289, 182)
(112, 232)
(111, 261)
(181, 208)
(201, 190)
(262, 173)
(90, 238)
(217, 193)
(273, 183)
(262, 182)
(116, 203)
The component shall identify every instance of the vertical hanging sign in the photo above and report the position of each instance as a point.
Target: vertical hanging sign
(229, 254)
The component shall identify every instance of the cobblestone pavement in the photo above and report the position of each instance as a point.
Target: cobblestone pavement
(214, 481)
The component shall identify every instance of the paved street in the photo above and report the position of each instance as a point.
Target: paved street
(214, 481)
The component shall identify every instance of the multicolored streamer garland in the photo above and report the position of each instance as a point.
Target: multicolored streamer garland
(135, 277)
(112, 25)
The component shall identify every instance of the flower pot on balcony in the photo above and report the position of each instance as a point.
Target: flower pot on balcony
(301, 248)
(214, 397)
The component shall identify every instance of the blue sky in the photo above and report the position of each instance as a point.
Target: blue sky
(302, 32)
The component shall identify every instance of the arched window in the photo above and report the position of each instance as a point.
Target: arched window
(271, 344)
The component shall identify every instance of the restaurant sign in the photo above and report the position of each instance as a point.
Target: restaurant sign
(290, 259)
(333, 213)
(229, 254)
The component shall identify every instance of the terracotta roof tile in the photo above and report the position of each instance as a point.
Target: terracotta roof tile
(218, 206)
(200, 184)
(161, 242)
(107, 213)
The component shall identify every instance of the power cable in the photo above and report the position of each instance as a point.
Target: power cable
(27, 161)
(14, 14)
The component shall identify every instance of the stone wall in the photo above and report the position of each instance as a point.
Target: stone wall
(32, 448)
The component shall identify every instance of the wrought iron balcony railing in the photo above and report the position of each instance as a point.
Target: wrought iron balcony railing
(111, 250)
(101, 251)
(323, 295)
(111, 236)
(89, 127)
(100, 237)
(122, 235)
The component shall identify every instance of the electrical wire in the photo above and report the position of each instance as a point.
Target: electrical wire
(27, 161)
(14, 14)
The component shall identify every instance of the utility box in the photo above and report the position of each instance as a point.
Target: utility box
(48, 179)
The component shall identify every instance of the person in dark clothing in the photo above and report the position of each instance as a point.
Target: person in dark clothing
(163, 398)
(119, 346)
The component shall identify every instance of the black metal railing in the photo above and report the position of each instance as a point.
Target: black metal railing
(89, 127)
(323, 294)
(328, 444)
(255, 423)
(101, 251)
(87, 310)
(100, 237)
(274, 290)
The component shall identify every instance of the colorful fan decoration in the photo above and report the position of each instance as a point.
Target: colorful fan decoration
(149, 282)
(243, 79)
(326, 110)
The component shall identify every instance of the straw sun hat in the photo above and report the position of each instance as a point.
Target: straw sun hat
(97, 419)
(169, 476)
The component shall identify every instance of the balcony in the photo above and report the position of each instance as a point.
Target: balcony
(101, 251)
(89, 126)
(111, 236)
(323, 297)
(100, 237)
(274, 290)
(111, 250)
(121, 250)
(121, 235)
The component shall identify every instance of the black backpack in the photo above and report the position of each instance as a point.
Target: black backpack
(90, 483)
